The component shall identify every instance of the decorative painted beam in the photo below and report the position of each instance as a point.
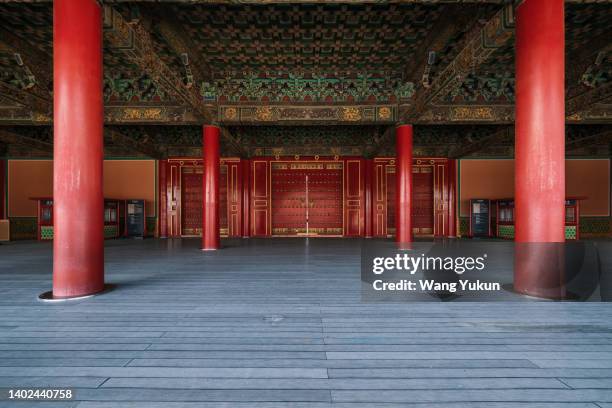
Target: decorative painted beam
(137, 46)
(479, 46)
(10, 137)
(296, 114)
(149, 114)
(492, 114)
(145, 147)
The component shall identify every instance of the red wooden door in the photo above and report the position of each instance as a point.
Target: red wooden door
(191, 201)
(306, 198)
(422, 200)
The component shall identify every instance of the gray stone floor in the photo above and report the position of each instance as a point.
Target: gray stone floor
(280, 323)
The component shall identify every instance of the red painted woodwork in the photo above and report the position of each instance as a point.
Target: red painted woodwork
(260, 198)
(191, 201)
(163, 199)
(368, 197)
(306, 198)
(540, 147)
(254, 202)
(246, 197)
(2, 189)
(354, 203)
(230, 194)
(173, 186)
(451, 212)
(383, 185)
(78, 247)
(403, 181)
(423, 200)
(182, 207)
(210, 189)
(223, 207)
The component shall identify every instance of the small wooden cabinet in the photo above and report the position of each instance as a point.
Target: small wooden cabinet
(112, 211)
(505, 218)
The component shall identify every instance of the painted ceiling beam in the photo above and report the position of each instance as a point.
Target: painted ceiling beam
(137, 46)
(480, 45)
(145, 147)
(9, 137)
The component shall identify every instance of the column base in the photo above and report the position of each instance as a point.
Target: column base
(47, 297)
(209, 249)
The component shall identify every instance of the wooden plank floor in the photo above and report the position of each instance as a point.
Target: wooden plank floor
(280, 323)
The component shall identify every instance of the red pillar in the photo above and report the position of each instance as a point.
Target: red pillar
(210, 189)
(368, 187)
(246, 197)
(403, 189)
(452, 199)
(78, 245)
(540, 148)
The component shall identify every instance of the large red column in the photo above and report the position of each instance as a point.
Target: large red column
(78, 244)
(210, 189)
(540, 148)
(403, 191)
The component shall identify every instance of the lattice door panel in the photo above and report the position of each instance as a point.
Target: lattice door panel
(191, 201)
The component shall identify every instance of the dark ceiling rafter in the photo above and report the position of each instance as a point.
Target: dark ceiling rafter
(120, 139)
(480, 45)
(137, 46)
(234, 143)
(379, 141)
(482, 143)
(576, 65)
(604, 136)
(442, 32)
(38, 97)
(11, 138)
(170, 29)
